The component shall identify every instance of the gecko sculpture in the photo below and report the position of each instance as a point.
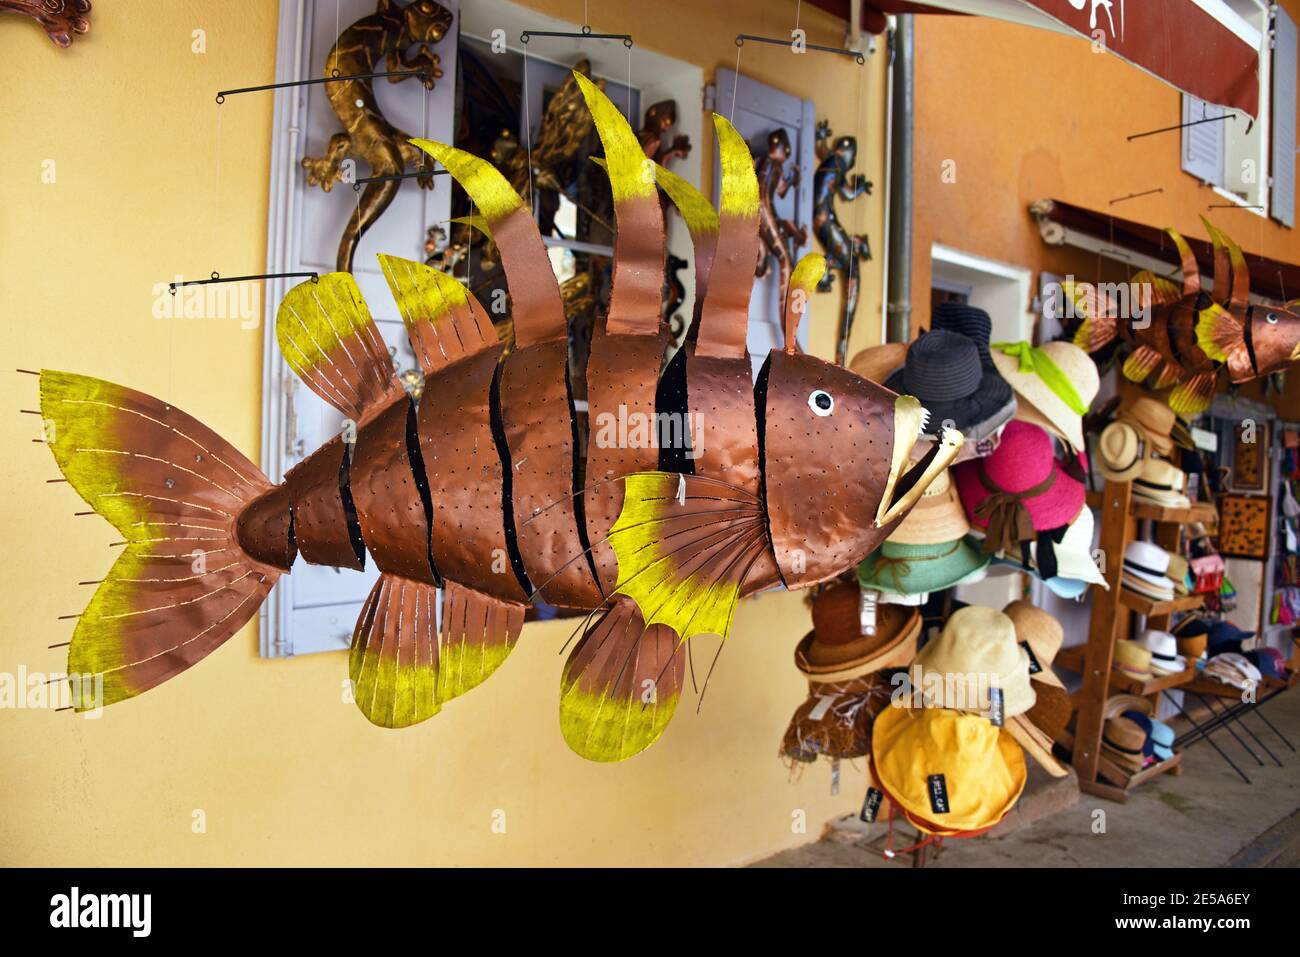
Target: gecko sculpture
(374, 42)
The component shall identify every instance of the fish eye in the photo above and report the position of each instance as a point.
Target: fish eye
(1271, 318)
(820, 402)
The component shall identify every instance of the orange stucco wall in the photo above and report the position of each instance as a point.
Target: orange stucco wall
(1026, 114)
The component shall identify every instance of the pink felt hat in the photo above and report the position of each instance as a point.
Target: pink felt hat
(1023, 476)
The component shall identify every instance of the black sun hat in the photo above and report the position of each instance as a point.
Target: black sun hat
(970, 321)
(943, 370)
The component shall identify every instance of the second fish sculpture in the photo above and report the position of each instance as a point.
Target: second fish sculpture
(1183, 337)
(476, 490)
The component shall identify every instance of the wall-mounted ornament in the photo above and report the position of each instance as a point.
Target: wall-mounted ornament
(385, 36)
(60, 19)
(780, 236)
(1182, 338)
(834, 181)
(660, 118)
(483, 489)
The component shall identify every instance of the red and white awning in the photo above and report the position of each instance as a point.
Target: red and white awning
(1202, 47)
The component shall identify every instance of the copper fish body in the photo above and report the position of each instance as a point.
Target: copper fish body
(481, 490)
(1186, 337)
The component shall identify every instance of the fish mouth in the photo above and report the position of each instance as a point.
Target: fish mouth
(1295, 353)
(905, 486)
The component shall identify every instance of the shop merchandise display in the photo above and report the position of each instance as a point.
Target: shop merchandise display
(880, 486)
(847, 673)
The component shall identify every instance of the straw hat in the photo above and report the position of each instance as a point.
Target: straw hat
(892, 646)
(1165, 659)
(1123, 740)
(955, 770)
(1051, 711)
(836, 614)
(1146, 568)
(976, 648)
(917, 569)
(1153, 418)
(835, 719)
(1132, 659)
(1041, 636)
(937, 517)
(1037, 744)
(1019, 489)
(1121, 450)
(879, 362)
(1160, 482)
(1054, 385)
(1234, 669)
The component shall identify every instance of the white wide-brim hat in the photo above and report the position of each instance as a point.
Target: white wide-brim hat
(1148, 562)
(1163, 646)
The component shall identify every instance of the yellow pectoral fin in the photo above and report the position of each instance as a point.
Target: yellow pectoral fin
(684, 546)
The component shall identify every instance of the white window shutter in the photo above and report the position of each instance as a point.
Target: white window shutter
(1203, 144)
(1282, 195)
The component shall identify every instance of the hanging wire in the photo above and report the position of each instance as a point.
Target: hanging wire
(528, 131)
(216, 190)
(735, 85)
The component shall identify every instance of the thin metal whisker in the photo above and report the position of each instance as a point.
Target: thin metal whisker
(748, 496)
(582, 553)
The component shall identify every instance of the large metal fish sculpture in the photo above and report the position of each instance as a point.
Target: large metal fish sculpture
(1188, 337)
(481, 491)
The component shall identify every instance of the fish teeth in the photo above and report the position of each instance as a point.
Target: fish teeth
(925, 420)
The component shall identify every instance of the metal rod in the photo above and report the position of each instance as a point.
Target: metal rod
(777, 41)
(1170, 129)
(221, 96)
(1149, 192)
(1227, 726)
(1233, 206)
(1264, 747)
(584, 34)
(392, 176)
(1261, 717)
(1212, 743)
(217, 277)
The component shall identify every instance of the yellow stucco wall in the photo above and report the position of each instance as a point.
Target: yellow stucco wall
(282, 769)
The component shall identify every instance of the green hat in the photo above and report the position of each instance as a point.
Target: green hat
(915, 569)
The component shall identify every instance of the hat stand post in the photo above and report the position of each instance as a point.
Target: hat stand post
(1120, 513)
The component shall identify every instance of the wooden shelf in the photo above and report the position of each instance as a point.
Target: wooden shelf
(1122, 779)
(1149, 606)
(1114, 782)
(1198, 512)
(1072, 660)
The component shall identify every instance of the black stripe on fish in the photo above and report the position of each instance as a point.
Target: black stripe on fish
(507, 476)
(1250, 339)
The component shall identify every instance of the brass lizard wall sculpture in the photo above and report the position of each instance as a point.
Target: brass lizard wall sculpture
(375, 43)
